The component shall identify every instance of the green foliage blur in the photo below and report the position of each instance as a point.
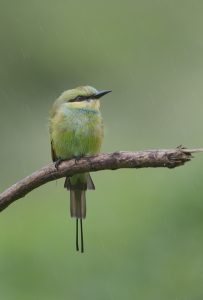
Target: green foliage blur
(144, 228)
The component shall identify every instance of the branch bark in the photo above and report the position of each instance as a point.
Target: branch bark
(170, 158)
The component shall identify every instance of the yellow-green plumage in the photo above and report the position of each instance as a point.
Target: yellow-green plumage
(76, 130)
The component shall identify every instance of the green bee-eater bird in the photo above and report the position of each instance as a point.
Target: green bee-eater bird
(76, 130)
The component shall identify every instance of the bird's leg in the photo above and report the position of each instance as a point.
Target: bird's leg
(77, 158)
(58, 162)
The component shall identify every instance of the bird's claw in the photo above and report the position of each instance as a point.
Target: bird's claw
(77, 158)
(58, 162)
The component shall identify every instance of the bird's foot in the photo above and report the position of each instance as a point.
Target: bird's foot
(77, 158)
(58, 162)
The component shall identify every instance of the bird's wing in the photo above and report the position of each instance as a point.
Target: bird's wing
(53, 154)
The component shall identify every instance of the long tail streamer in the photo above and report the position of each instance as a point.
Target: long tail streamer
(81, 236)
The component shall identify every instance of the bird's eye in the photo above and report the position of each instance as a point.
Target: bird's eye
(79, 98)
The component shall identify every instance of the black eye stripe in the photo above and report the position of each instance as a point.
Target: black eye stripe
(81, 98)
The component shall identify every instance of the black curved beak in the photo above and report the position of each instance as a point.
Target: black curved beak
(101, 94)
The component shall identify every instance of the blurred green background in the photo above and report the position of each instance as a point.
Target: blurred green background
(144, 228)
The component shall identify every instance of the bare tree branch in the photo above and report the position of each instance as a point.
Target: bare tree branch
(170, 158)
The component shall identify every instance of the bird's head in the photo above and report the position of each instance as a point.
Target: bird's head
(85, 97)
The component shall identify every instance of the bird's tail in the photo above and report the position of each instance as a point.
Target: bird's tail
(78, 184)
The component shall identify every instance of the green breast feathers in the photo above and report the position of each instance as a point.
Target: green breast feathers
(76, 132)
